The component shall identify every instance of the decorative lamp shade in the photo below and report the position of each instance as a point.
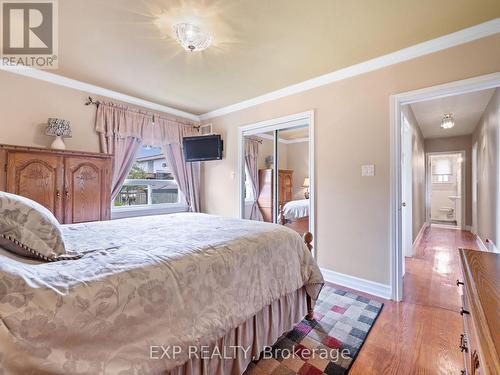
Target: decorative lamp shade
(58, 128)
(306, 182)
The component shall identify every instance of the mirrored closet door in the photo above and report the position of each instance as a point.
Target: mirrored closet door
(276, 178)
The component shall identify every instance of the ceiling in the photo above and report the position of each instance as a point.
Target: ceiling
(259, 45)
(466, 109)
(295, 134)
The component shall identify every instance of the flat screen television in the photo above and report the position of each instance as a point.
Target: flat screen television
(207, 147)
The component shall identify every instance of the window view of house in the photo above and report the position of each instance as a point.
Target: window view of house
(149, 182)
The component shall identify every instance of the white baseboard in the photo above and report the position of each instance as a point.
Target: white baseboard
(482, 246)
(492, 247)
(486, 245)
(356, 283)
(468, 228)
(420, 233)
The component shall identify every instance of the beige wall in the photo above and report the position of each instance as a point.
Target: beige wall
(487, 136)
(266, 148)
(450, 144)
(418, 173)
(352, 129)
(27, 103)
(298, 162)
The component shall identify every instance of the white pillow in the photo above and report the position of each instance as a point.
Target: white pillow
(29, 229)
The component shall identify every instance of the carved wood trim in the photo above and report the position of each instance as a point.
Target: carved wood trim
(56, 152)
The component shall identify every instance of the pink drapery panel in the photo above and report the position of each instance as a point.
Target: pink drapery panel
(186, 174)
(122, 132)
(252, 169)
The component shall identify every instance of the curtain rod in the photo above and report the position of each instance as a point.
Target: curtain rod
(97, 103)
(254, 140)
(91, 100)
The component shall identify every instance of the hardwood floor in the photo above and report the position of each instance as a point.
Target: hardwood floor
(420, 335)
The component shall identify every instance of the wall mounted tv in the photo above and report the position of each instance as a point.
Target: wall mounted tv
(207, 147)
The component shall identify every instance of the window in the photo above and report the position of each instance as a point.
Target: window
(442, 178)
(149, 186)
(442, 170)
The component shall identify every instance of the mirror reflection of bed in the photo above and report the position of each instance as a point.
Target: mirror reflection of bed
(292, 154)
(295, 215)
(277, 183)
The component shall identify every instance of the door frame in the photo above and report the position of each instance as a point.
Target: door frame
(407, 168)
(277, 124)
(428, 184)
(395, 107)
(474, 188)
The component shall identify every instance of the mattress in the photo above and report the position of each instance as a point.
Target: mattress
(182, 280)
(296, 209)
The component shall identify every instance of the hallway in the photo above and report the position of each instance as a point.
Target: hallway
(421, 334)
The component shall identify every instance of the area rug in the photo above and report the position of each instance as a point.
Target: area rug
(328, 344)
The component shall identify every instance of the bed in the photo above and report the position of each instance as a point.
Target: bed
(148, 287)
(295, 215)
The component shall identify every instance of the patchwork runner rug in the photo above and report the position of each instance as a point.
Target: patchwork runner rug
(327, 345)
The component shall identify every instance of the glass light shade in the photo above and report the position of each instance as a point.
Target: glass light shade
(447, 121)
(191, 37)
(306, 182)
(58, 128)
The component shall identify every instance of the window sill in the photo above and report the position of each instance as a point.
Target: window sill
(160, 209)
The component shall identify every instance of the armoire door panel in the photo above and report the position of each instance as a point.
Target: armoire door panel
(83, 190)
(37, 177)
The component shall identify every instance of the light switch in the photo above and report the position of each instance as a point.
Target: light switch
(232, 175)
(368, 170)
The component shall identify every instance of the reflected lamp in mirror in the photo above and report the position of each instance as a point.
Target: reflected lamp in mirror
(305, 185)
(59, 129)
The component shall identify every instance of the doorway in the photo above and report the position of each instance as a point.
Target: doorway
(397, 213)
(277, 172)
(446, 194)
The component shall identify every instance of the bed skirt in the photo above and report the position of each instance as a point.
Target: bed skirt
(258, 332)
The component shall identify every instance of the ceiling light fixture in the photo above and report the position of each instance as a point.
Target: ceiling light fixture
(191, 37)
(447, 122)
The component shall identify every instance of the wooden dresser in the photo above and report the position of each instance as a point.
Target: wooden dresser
(480, 342)
(266, 194)
(74, 186)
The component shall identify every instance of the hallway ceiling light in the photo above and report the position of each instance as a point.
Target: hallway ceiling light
(191, 37)
(447, 122)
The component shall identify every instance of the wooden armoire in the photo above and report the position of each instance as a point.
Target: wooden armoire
(74, 186)
(266, 194)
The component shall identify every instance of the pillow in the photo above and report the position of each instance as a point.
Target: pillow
(29, 229)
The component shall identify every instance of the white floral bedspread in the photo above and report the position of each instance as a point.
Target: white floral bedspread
(183, 279)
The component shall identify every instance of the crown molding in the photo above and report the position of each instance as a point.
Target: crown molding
(59, 80)
(460, 37)
(434, 45)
